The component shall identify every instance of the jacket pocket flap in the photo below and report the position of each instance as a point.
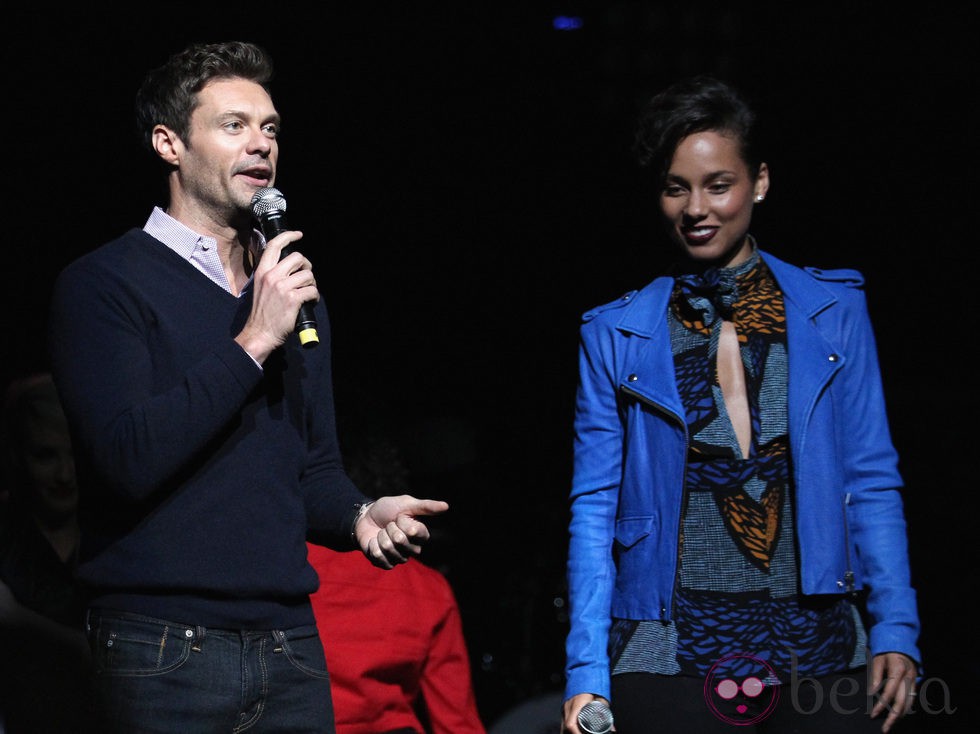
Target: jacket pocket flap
(631, 530)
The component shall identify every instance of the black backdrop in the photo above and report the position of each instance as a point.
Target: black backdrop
(461, 173)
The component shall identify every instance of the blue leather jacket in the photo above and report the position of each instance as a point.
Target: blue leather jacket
(631, 445)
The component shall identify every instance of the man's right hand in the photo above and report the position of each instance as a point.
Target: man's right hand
(279, 288)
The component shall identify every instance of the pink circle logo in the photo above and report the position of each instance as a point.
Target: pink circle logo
(741, 690)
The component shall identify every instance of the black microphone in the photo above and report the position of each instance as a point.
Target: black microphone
(269, 208)
(595, 718)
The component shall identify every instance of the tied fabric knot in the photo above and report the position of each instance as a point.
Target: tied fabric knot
(712, 293)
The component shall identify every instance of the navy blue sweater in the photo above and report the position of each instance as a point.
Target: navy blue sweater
(201, 474)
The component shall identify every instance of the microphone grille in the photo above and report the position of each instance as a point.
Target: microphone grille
(267, 200)
(595, 718)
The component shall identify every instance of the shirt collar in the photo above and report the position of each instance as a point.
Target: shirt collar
(182, 239)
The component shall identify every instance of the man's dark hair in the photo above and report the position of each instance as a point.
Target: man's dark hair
(698, 104)
(168, 94)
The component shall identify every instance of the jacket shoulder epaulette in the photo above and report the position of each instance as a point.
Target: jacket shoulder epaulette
(620, 302)
(847, 276)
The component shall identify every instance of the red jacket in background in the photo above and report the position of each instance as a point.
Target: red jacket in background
(392, 638)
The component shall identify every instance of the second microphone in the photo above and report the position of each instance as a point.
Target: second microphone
(269, 209)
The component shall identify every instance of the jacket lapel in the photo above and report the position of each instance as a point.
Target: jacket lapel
(814, 355)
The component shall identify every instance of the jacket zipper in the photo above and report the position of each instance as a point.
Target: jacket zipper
(848, 572)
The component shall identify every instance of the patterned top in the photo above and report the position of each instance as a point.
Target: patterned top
(737, 593)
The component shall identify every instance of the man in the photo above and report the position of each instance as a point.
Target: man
(204, 432)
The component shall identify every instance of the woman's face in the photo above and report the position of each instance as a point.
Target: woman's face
(708, 197)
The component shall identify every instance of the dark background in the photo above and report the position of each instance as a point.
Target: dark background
(461, 172)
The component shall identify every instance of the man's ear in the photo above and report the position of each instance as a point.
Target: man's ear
(167, 144)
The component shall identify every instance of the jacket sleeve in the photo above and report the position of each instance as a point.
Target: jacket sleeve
(598, 446)
(873, 499)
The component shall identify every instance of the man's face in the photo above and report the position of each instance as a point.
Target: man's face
(232, 148)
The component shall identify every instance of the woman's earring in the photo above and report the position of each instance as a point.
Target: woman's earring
(759, 198)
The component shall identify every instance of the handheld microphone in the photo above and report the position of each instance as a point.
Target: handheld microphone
(269, 209)
(595, 717)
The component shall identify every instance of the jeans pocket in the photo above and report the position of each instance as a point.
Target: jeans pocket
(304, 650)
(135, 647)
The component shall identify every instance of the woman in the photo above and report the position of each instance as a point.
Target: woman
(41, 609)
(738, 550)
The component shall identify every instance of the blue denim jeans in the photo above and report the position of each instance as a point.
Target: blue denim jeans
(156, 676)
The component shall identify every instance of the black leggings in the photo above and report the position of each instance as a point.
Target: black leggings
(645, 702)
